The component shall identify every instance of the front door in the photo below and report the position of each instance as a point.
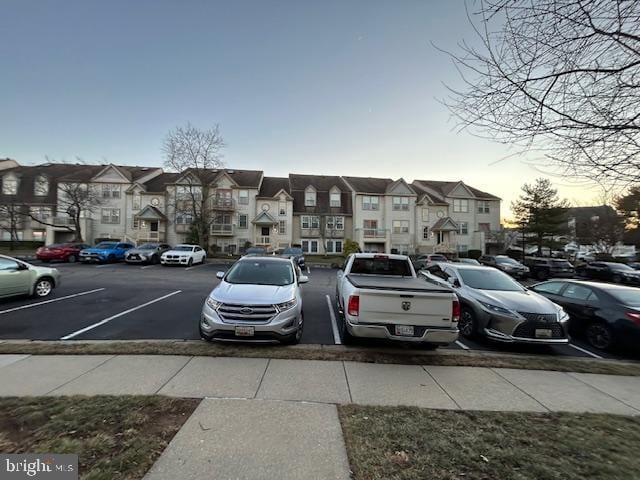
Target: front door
(265, 231)
(153, 226)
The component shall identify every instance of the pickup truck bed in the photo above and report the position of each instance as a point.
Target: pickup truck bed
(375, 282)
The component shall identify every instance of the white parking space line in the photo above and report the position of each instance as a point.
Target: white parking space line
(461, 345)
(308, 271)
(584, 350)
(334, 323)
(105, 265)
(50, 301)
(117, 315)
(147, 266)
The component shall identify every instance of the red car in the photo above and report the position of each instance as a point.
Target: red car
(65, 252)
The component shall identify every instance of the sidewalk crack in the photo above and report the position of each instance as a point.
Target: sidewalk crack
(441, 387)
(495, 370)
(174, 375)
(346, 378)
(262, 378)
(82, 374)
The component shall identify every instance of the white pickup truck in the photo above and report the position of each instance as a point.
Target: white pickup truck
(379, 296)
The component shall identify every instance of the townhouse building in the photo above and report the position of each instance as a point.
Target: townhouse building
(246, 208)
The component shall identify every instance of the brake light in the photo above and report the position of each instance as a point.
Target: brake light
(635, 317)
(380, 257)
(353, 308)
(455, 311)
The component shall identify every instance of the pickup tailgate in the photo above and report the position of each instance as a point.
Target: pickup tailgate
(402, 301)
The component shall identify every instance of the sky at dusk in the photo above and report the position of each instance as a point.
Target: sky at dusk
(324, 87)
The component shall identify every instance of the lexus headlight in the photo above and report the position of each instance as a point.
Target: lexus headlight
(213, 304)
(563, 316)
(496, 309)
(286, 305)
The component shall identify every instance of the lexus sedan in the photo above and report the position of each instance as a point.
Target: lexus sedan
(258, 299)
(495, 306)
(22, 278)
(146, 253)
(606, 315)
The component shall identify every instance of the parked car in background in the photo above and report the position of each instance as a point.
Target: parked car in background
(609, 272)
(469, 261)
(380, 296)
(258, 299)
(183, 255)
(22, 278)
(255, 252)
(545, 268)
(607, 315)
(494, 305)
(63, 252)
(634, 265)
(105, 252)
(146, 253)
(506, 264)
(296, 254)
(423, 261)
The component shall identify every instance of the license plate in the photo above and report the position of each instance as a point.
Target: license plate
(544, 333)
(244, 331)
(404, 330)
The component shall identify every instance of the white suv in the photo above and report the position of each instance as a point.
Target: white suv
(183, 255)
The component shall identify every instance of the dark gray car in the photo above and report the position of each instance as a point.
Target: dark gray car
(146, 253)
(496, 306)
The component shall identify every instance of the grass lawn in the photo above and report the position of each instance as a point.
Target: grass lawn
(114, 437)
(412, 443)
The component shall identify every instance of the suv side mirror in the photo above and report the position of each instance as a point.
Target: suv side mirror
(220, 275)
(456, 283)
(303, 279)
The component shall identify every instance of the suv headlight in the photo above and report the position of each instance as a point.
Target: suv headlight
(213, 304)
(496, 309)
(281, 307)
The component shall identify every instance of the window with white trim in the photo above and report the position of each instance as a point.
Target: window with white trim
(309, 246)
(401, 203)
(335, 199)
(425, 214)
(401, 226)
(370, 203)
(310, 221)
(334, 246)
(136, 201)
(463, 228)
(184, 218)
(282, 227)
(9, 185)
(110, 215)
(282, 209)
(41, 186)
(111, 190)
(460, 205)
(483, 206)
(400, 249)
(243, 197)
(243, 221)
(310, 198)
(188, 192)
(335, 223)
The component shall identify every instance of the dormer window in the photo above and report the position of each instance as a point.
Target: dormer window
(335, 199)
(10, 185)
(310, 198)
(41, 186)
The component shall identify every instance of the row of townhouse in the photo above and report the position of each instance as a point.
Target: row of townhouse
(316, 212)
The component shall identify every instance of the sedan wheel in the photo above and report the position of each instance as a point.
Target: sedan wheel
(467, 323)
(600, 336)
(72, 259)
(43, 288)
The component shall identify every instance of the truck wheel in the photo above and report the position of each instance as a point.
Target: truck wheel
(467, 324)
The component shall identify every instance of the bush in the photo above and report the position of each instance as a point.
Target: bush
(475, 254)
(350, 247)
(20, 244)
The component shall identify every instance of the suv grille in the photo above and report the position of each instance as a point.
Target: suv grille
(528, 329)
(246, 313)
(540, 317)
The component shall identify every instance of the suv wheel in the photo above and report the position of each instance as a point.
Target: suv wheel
(190, 262)
(467, 323)
(43, 287)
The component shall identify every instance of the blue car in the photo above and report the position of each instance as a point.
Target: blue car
(105, 252)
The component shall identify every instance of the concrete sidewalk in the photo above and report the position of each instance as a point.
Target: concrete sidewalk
(264, 418)
(327, 382)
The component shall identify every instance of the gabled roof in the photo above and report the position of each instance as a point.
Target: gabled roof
(443, 189)
(323, 185)
(242, 178)
(400, 181)
(445, 224)
(272, 186)
(159, 183)
(150, 212)
(264, 218)
(369, 184)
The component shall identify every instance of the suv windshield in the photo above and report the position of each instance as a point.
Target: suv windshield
(261, 272)
(106, 245)
(148, 246)
(437, 258)
(292, 251)
(489, 279)
(381, 266)
(561, 264)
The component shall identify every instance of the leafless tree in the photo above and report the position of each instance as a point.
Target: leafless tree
(197, 154)
(560, 78)
(11, 217)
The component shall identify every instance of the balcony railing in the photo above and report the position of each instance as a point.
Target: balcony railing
(374, 232)
(221, 229)
(222, 203)
(63, 221)
(263, 240)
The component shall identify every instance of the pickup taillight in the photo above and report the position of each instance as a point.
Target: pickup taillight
(353, 307)
(455, 311)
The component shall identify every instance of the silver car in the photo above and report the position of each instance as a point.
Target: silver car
(258, 299)
(22, 278)
(496, 306)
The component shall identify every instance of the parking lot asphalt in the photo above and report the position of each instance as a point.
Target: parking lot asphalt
(132, 302)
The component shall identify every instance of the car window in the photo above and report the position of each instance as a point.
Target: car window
(577, 292)
(6, 264)
(381, 265)
(489, 279)
(549, 287)
(628, 296)
(437, 271)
